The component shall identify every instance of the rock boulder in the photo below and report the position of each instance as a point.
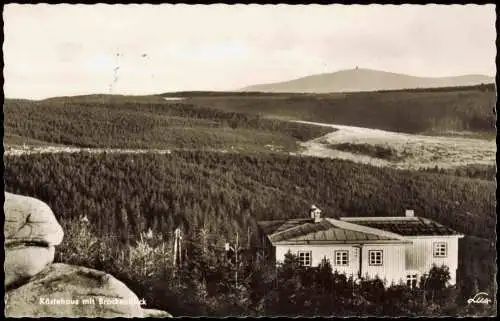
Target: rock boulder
(154, 313)
(63, 290)
(36, 287)
(31, 231)
(30, 220)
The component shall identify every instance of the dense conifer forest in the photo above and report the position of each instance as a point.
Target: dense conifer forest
(234, 190)
(221, 194)
(144, 122)
(436, 110)
(222, 120)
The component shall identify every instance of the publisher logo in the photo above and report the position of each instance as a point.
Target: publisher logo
(480, 298)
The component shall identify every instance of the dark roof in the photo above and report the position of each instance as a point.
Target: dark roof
(270, 227)
(306, 230)
(406, 226)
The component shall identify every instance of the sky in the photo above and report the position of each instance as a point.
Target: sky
(59, 50)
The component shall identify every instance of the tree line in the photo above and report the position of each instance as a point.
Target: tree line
(197, 185)
(409, 111)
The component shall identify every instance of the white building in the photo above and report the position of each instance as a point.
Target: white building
(396, 249)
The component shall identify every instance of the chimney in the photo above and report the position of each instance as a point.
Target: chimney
(315, 213)
(410, 213)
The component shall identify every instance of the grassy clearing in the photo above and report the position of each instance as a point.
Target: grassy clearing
(400, 150)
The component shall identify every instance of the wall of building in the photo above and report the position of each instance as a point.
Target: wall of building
(321, 251)
(398, 260)
(266, 248)
(420, 255)
(392, 268)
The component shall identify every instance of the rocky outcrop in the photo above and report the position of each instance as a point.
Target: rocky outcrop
(36, 287)
(65, 290)
(31, 234)
(153, 313)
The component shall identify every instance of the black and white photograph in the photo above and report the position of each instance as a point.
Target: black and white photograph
(248, 160)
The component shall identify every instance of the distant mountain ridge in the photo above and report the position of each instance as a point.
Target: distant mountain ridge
(362, 79)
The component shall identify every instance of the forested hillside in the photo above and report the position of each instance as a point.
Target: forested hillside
(410, 111)
(144, 122)
(220, 194)
(231, 191)
(222, 120)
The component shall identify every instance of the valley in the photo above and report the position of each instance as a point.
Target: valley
(441, 128)
(214, 163)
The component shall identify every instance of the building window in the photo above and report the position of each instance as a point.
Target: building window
(411, 280)
(440, 249)
(342, 258)
(375, 257)
(305, 258)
